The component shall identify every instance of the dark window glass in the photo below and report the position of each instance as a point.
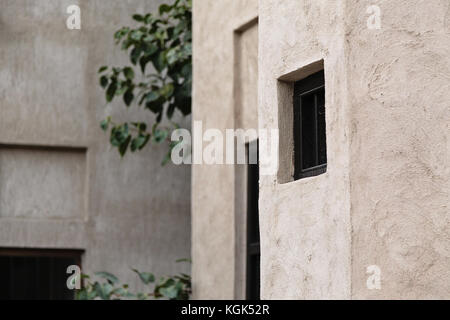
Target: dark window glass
(253, 238)
(310, 145)
(36, 274)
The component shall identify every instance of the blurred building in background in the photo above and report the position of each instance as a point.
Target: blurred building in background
(65, 195)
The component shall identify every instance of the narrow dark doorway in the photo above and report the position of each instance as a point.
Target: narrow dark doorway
(253, 237)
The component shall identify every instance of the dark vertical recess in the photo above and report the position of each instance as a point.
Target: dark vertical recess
(4, 278)
(43, 278)
(253, 235)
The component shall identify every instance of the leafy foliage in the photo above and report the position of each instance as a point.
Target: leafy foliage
(172, 288)
(163, 41)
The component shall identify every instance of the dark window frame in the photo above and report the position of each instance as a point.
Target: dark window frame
(312, 85)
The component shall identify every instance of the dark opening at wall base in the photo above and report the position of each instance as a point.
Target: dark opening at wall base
(310, 143)
(36, 274)
(253, 237)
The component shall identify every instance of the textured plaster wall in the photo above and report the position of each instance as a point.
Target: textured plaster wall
(305, 225)
(123, 212)
(399, 90)
(384, 199)
(213, 196)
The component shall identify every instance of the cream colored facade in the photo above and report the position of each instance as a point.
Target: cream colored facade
(384, 200)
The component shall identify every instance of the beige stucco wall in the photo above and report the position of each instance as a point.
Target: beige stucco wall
(61, 184)
(213, 187)
(384, 199)
(305, 225)
(399, 94)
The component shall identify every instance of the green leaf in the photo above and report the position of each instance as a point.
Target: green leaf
(128, 97)
(104, 124)
(107, 276)
(172, 56)
(141, 126)
(167, 90)
(110, 93)
(143, 142)
(107, 290)
(124, 87)
(171, 292)
(187, 49)
(126, 44)
(167, 158)
(142, 296)
(124, 146)
(139, 142)
(148, 18)
(143, 63)
(159, 61)
(119, 135)
(102, 69)
(171, 110)
(116, 71)
(135, 55)
(166, 42)
(145, 277)
(92, 295)
(138, 17)
(158, 110)
(81, 295)
(137, 35)
(164, 8)
(150, 48)
(133, 146)
(152, 96)
(104, 82)
(98, 288)
(121, 33)
(129, 73)
(160, 136)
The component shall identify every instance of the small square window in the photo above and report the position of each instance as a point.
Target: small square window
(310, 146)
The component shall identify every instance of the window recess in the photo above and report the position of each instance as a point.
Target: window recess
(310, 146)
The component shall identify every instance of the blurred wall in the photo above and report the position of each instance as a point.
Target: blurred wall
(61, 184)
(224, 97)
